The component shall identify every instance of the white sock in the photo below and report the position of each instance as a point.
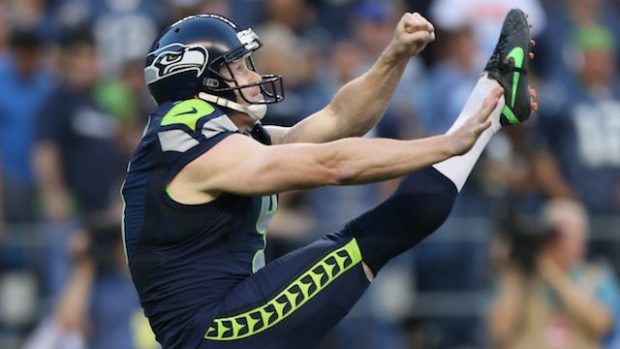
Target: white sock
(458, 168)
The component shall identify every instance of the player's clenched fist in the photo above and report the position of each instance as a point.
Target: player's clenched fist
(411, 36)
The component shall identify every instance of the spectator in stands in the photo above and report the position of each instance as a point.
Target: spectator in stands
(99, 307)
(555, 50)
(553, 298)
(25, 84)
(32, 14)
(75, 151)
(123, 30)
(580, 121)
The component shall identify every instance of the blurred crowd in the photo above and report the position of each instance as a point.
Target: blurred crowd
(529, 258)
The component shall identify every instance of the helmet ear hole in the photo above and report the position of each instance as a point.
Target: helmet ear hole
(212, 83)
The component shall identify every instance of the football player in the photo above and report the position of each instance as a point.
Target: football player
(203, 183)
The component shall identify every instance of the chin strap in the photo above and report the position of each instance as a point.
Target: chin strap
(255, 111)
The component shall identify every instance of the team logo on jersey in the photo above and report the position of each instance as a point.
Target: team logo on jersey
(174, 59)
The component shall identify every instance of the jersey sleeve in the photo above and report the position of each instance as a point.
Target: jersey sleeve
(191, 128)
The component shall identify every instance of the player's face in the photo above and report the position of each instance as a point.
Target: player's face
(242, 73)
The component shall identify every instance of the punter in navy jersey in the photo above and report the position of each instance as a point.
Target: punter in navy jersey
(202, 186)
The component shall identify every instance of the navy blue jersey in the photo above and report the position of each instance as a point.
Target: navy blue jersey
(185, 258)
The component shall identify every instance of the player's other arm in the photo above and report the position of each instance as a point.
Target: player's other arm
(241, 165)
(359, 104)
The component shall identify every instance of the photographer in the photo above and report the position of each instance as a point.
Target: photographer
(552, 297)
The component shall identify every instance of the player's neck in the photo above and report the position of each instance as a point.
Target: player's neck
(241, 120)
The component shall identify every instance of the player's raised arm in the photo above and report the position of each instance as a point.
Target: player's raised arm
(359, 104)
(240, 165)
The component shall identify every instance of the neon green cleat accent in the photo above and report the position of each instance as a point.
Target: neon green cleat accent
(510, 116)
(518, 56)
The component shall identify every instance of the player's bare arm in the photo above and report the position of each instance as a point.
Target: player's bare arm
(359, 104)
(241, 165)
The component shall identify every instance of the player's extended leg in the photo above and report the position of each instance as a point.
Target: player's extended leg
(425, 198)
(293, 301)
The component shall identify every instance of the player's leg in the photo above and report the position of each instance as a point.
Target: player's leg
(425, 198)
(293, 301)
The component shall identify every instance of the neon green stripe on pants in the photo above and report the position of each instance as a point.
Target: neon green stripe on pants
(296, 294)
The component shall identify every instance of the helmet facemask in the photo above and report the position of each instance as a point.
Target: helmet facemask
(224, 87)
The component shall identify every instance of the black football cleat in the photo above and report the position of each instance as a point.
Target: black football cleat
(508, 65)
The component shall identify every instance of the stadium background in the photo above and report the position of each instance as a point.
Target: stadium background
(70, 115)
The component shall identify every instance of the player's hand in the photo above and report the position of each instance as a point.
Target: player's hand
(464, 138)
(413, 32)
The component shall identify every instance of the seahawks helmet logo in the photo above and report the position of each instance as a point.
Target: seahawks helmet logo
(174, 59)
